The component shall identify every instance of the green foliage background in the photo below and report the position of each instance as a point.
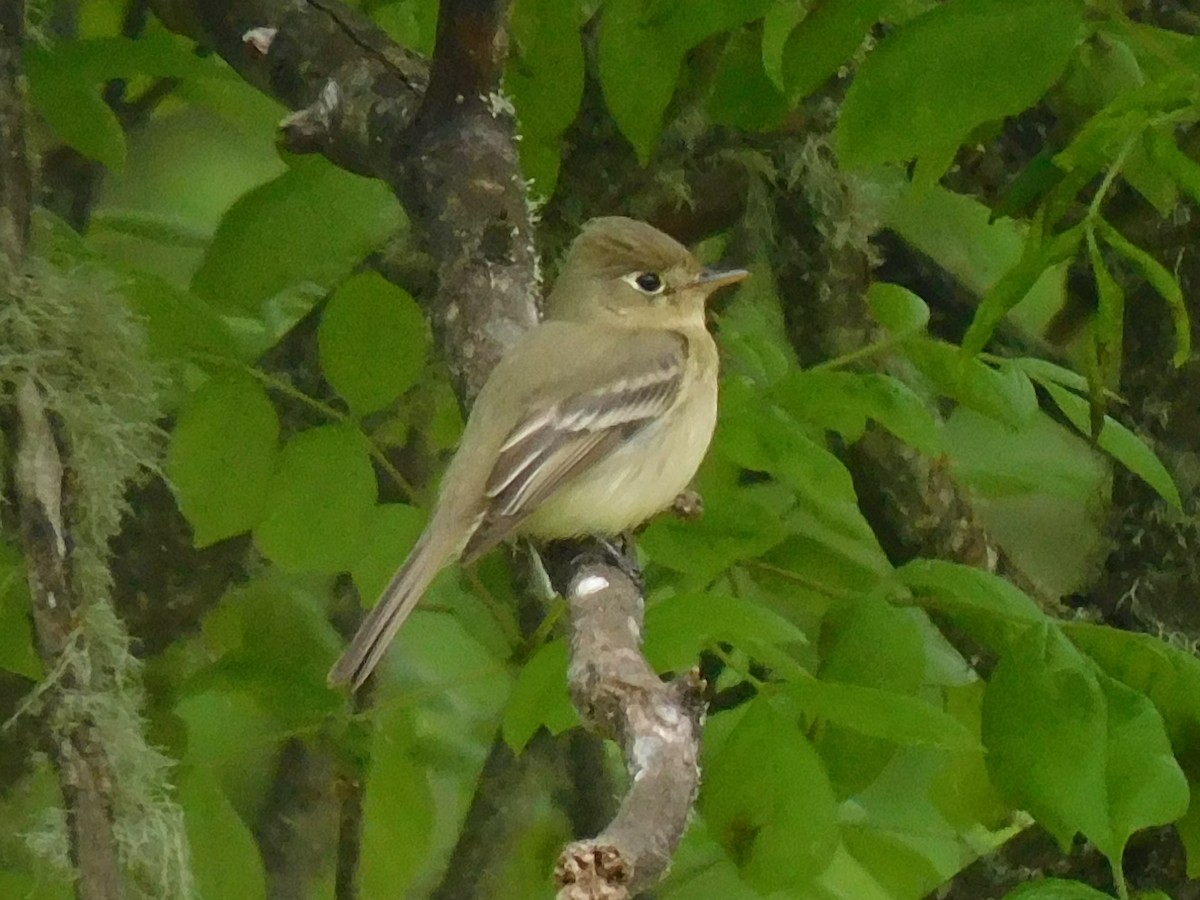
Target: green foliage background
(871, 761)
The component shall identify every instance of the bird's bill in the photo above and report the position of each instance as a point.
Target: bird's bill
(712, 278)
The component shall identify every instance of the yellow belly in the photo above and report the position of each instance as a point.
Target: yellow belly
(639, 479)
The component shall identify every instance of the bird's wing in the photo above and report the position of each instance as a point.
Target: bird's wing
(550, 445)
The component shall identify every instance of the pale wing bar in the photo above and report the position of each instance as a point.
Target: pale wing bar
(548, 448)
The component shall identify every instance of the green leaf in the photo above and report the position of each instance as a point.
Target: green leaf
(1045, 372)
(372, 342)
(742, 95)
(749, 799)
(880, 713)
(1103, 69)
(220, 457)
(638, 85)
(959, 65)
(869, 644)
(1161, 280)
(224, 855)
(1109, 329)
(1039, 177)
(179, 325)
(545, 78)
(539, 697)
(319, 221)
(71, 103)
(1181, 167)
(1188, 829)
(1015, 284)
(827, 36)
(398, 810)
(986, 605)
(390, 530)
(737, 525)
(159, 228)
(157, 53)
(1170, 678)
(1078, 749)
(760, 437)
(1097, 144)
(320, 494)
(1167, 675)
(275, 642)
(225, 728)
(901, 859)
(17, 650)
(1055, 889)
(753, 334)
(778, 24)
(960, 789)
(844, 401)
(1004, 394)
(874, 644)
(1045, 458)
(1120, 443)
(410, 24)
(972, 243)
(678, 628)
(1146, 787)
(897, 309)
(1044, 725)
(545, 75)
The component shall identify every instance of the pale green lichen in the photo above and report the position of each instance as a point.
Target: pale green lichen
(69, 330)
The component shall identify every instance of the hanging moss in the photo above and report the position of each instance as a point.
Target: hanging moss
(74, 335)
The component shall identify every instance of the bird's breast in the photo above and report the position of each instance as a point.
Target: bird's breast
(641, 477)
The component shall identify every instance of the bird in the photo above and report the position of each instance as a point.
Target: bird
(594, 421)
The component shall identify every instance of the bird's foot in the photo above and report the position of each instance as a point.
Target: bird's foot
(622, 554)
(689, 505)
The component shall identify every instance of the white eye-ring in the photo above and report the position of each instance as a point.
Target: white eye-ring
(647, 282)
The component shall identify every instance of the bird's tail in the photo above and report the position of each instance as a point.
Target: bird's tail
(398, 600)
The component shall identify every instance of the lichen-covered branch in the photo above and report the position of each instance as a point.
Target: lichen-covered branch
(293, 50)
(658, 725)
(84, 773)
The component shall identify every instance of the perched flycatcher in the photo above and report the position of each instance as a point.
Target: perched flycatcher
(594, 421)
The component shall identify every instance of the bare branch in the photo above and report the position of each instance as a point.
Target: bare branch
(658, 725)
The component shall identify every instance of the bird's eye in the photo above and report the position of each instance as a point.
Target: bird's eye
(648, 282)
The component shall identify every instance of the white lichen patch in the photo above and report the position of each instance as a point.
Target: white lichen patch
(645, 749)
(260, 39)
(590, 584)
(499, 104)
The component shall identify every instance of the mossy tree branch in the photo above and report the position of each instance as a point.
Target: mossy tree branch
(84, 774)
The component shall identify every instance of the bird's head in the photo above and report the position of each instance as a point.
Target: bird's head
(629, 273)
